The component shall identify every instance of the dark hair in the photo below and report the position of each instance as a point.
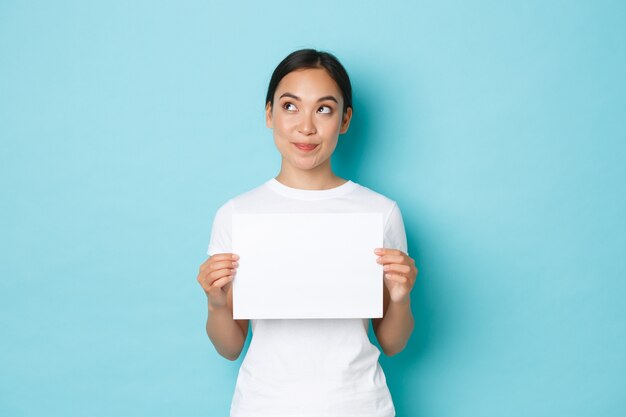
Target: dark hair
(310, 58)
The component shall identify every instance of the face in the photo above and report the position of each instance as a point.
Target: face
(307, 118)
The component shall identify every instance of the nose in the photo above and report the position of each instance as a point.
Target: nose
(307, 124)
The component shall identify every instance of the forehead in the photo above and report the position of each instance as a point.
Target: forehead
(308, 83)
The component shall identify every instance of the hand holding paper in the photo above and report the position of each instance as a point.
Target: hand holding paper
(215, 277)
(400, 273)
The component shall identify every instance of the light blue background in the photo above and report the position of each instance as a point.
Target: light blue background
(499, 127)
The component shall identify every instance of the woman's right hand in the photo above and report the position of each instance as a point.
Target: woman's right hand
(215, 274)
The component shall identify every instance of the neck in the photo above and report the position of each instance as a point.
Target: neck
(319, 178)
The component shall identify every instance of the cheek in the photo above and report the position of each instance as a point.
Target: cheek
(283, 124)
(334, 123)
(281, 133)
(332, 127)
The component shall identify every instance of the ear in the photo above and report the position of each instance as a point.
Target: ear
(268, 115)
(345, 123)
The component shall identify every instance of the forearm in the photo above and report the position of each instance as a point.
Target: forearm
(224, 332)
(395, 328)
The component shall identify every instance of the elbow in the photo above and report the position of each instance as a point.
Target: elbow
(225, 348)
(395, 347)
(231, 355)
(389, 349)
(389, 353)
(393, 351)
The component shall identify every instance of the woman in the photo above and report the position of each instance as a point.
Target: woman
(309, 367)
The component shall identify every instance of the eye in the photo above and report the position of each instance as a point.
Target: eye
(289, 106)
(325, 109)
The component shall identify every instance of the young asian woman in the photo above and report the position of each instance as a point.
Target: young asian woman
(309, 367)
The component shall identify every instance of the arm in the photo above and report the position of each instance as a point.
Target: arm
(394, 329)
(227, 335)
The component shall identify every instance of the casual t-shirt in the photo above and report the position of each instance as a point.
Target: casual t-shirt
(310, 367)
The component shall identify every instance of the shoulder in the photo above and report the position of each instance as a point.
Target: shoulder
(394, 232)
(247, 198)
(375, 199)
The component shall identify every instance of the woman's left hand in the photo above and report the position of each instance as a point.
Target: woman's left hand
(400, 273)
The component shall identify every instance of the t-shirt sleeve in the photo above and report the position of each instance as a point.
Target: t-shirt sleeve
(221, 231)
(395, 235)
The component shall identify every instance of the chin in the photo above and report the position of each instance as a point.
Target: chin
(304, 166)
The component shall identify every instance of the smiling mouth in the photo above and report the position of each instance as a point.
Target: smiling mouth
(305, 146)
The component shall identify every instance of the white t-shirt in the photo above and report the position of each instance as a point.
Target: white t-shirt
(310, 367)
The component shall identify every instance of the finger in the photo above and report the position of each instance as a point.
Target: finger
(218, 257)
(214, 266)
(208, 282)
(388, 251)
(391, 259)
(226, 255)
(400, 268)
(205, 270)
(221, 282)
(396, 278)
(211, 277)
(223, 256)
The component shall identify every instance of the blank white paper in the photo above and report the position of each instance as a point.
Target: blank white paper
(307, 265)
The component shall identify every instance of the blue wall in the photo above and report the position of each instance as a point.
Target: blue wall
(499, 127)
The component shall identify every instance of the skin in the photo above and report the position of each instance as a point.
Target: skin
(308, 108)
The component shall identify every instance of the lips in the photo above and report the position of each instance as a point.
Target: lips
(305, 146)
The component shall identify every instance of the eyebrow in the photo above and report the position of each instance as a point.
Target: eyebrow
(295, 97)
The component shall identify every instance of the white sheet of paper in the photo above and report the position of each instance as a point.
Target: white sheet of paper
(311, 265)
